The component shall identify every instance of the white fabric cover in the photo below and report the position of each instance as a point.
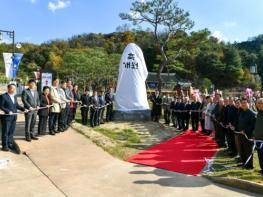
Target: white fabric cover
(131, 92)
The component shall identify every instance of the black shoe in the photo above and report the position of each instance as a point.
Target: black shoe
(57, 131)
(52, 133)
(28, 139)
(6, 149)
(248, 167)
(34, 138)
(12, 147)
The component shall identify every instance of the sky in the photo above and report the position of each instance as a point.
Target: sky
(38, 21)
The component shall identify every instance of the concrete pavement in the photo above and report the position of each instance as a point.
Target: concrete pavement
(69, 164)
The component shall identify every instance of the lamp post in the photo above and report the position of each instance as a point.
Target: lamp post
(11, 35)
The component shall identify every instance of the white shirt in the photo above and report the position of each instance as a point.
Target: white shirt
(12, 96)
(32, 92)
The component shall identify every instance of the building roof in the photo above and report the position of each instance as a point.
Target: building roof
(168, 78)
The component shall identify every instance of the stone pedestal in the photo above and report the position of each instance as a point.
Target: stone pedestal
(140, 115)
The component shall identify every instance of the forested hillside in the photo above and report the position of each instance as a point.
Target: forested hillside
(95, 57)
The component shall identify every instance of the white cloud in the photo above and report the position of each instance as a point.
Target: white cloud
(59, 4)
(229, 24)
(220, 36)
(33, 1)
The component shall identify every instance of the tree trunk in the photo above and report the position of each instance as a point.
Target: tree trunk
(161, 67)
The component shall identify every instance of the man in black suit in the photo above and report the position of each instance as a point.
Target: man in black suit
(246, 125)
(186, 113)
(109, 98)
(8, 104)
(156, 106)
(85, 102)
(195, 107)
(94, 110)
(30, 99)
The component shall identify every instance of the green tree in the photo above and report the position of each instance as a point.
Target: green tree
(166, 19)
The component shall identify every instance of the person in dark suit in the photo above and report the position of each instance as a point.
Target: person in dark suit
(246, 125)
(218, 114)
(195, 105)
(9, 104)
(30, 99)
(85, 102)
(230, 118)
(94, 110)
(186, 113)
(156, 106)
(43, 113)
(109, 98)
(180, 114)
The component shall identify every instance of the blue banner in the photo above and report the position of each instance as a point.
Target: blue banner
(15, 64)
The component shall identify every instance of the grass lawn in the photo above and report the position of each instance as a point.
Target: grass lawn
(225, 166)
(124, 139)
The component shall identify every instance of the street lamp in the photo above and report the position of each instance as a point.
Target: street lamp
(11, 35)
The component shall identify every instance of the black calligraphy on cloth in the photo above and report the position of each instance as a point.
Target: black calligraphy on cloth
(131, 63)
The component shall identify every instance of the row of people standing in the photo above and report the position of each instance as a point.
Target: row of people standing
(177, 110)
(235, 124)
(218, 118)
(97, 104)
(56, 107)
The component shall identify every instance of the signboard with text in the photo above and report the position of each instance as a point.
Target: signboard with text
(46, 80)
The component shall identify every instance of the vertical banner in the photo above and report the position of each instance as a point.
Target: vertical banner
(8, 63)
(46, 80)
(16, 62)
(12, 63)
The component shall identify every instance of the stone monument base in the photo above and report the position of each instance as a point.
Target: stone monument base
(138, 115)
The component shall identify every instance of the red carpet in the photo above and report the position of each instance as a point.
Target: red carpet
(185, 153)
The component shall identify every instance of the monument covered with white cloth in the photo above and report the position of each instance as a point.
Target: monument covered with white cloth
(131, 96)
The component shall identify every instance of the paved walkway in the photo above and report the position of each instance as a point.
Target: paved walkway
(69, 164)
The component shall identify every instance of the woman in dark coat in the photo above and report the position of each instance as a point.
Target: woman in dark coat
(43, 113)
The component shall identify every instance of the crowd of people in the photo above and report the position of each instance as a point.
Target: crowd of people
(56, 108)
(235, 123)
